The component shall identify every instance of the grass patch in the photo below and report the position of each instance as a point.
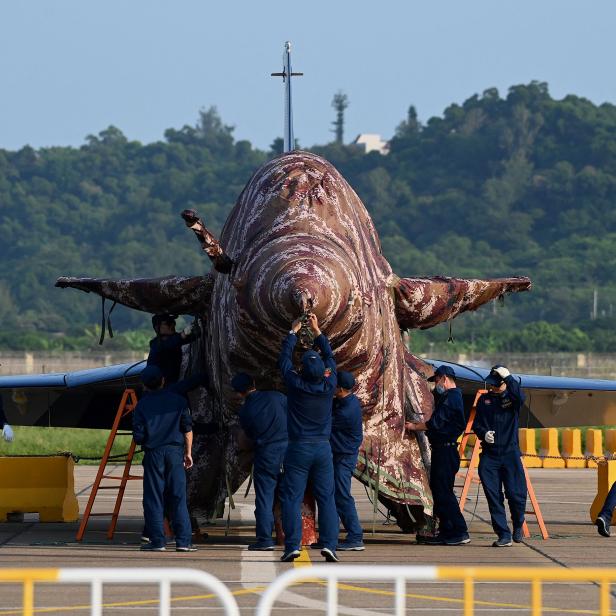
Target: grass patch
(81, 442)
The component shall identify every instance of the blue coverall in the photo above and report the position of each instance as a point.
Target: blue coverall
(182, 388)
(166, 353)
(160, 421)
(608, 506)
(309, 455)
(500, 464)
(263, 417)
(444, 427)
(346, 438)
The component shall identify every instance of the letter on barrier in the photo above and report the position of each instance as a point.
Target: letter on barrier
(38, 484)
(549, 447)
(528, 447)
(572, 448)
(594, 446)
(606, 476)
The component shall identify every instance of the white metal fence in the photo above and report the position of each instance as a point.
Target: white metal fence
(98, 577)
(332, 574)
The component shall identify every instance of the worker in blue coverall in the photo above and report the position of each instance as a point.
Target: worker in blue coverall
(443, 429)
(309, 455)
(604, 519)
(500, 464)
(7, 431)
(346, 438)
(162, 425)
(183, 388)
(263, 417)
(166, 348)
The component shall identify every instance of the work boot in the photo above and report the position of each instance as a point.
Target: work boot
(603, 526)
(502, 542)
(518, 535)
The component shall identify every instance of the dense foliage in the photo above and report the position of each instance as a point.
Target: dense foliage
(521, 185)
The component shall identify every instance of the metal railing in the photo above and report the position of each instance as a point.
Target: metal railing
(97, 577)
(400, 575)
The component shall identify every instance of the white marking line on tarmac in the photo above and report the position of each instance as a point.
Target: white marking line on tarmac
(258, 568)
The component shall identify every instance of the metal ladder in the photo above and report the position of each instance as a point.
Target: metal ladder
(474, 463)
(127, 405)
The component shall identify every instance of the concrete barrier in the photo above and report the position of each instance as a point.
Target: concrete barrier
(528, 447)
(549, 449)
(594, 445)
(572, 448)
(38, 484)
(606, 476)
(610, 442)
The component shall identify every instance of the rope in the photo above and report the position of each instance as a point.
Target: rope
(609, 456)
(70, 454)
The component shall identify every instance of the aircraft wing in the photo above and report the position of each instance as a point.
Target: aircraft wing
(81, 399)
(551, 401)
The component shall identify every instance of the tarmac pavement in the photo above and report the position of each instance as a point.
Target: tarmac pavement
(564, 496)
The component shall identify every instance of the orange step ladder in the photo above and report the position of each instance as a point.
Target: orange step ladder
(474, 464)
(127, 406)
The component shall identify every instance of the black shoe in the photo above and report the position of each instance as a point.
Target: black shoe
(148, 547)
(185, 548)
(518, 535)
(261, 547)
(329, 555)
(431, 539)
(603, 526)
(460, 540)
(502, 542)
(289, 557)
(351, 546)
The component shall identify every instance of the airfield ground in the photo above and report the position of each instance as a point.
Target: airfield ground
(564, 495)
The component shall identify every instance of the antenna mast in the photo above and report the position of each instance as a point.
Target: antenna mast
(287, 73)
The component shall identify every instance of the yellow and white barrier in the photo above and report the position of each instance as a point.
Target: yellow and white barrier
(39, 484)
(606, 476)
(535, 576)
(594, 445)
(549, 449)
(163, 577)
(528, 447)
(572, 448)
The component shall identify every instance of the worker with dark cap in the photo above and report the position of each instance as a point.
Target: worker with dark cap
(309, 456)
(443, 430)
(263, 417)
(346, 438)
(163, 427)
(500, 464)
(166, 348)
(7, 431)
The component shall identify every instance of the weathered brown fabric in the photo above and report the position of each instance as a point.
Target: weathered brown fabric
(300, 238)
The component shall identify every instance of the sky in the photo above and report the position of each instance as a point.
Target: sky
(70, 68)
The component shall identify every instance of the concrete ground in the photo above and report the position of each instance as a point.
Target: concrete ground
(564, 495)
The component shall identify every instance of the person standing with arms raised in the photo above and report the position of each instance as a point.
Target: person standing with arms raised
(310, 394)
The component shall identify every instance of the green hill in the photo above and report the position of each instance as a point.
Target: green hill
(523, 184)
